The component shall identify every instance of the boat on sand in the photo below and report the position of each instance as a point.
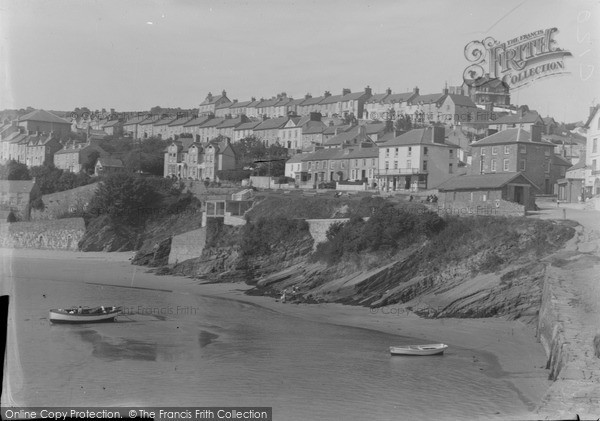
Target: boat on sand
(429, 349)
(84, 315)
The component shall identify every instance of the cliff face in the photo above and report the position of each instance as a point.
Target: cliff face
(501, 278)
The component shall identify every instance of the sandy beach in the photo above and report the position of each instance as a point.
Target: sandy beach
(520, 358)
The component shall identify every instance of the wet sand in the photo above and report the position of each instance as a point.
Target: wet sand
(520, 358)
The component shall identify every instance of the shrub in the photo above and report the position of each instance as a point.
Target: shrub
(259, 237)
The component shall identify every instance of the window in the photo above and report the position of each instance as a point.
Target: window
(343, 164)
(483, 151)
(356, 162)
(387, 165)
(450, 169)
(522, 165)
(425, 150)
(331, 165)
(595, 144)
(505, 165)
(409, 152)
(408, 163)
(494, 150)
(424, 165)
(594, 168)
(506, 149)
(364, 162)
(387, 153)
(395, 165)
(548, 164)
(493, 167)
(373, 161)
(451, 153)
(523, 149)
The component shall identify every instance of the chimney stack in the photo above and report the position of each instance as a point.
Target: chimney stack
(438, 134)
(345, 91)
(368, 91)
(224, 93)
(388, 91)
(209, 97)
(416, 90)
(536, 133)
(307, 96)
(362, 132)
(315, 116)
(327, 94)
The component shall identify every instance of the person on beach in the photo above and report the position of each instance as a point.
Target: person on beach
(79, 310)
(283, 295)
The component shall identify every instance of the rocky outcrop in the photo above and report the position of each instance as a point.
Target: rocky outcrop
(102, 234)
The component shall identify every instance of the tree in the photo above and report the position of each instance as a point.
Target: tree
(90, 164)
(125, 197)
(14, 170)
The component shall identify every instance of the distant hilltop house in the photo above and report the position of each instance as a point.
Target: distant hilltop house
(16, 197)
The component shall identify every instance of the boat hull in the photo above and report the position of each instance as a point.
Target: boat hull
(57, 316)
(416, 350)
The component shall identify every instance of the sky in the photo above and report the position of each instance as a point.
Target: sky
(133, 54)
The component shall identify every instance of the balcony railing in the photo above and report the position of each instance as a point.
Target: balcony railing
(401, 171)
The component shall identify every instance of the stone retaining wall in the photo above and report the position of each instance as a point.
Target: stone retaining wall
(188, 245)
(64, 202)
(60, 234)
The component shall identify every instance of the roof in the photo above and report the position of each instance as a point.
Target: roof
(374, 128)
(112, 123)
(110, 162)
(592, 114)
(313, 127)
(548, 120)
(198, 121)
(164, 121)
(239, 104)
(135, 120)
(149, 120)
(578, 166)
(272, 123)
(231, 122)
(331, 99)
(330, 130)
(461, 100)
(268, 103)
(528, 117)
(354, 96)
(312, 101)
(213, 99)
(44, 116)
(16, 186)
(248, 126)
(180, 121)
(322, 154)
(509, 136)
(427, 99)
(559, 160)
(213, 122)
(370, 152)
(397, 98)
(483, 181)
(377, 98)
(294, 159)
(415, 137)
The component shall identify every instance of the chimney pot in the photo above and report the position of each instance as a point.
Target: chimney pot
(388, 91)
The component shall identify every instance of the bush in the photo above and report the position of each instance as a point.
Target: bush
(258, 238)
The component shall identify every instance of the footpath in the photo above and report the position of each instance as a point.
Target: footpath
(572, 311)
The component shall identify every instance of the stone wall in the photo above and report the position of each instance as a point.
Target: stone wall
(64, 202)
(61, 234)
(188, 245)
(489, 208)
(567, 327)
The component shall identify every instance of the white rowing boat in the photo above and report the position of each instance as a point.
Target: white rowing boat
(429, 349)
(84, 315)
